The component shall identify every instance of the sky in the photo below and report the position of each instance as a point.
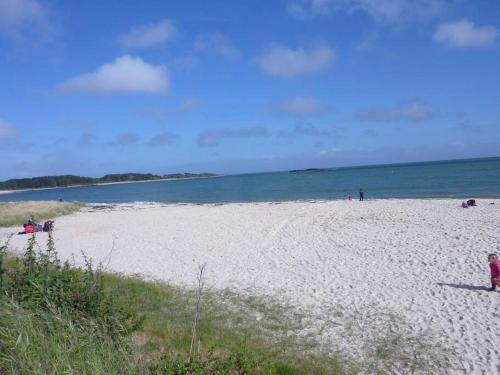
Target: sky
(96, 87)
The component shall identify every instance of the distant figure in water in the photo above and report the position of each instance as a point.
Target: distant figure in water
(495, 271)
(361, 195)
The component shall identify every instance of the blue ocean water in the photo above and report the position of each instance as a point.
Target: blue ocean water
(459, 178)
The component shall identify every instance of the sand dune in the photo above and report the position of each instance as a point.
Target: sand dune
(423, 259)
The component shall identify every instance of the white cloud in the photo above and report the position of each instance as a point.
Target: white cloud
(217, 43)
(382, 11)
(212, 137)
(147, 36)
(414, 112)
(282, 61)
(302, 107)
(21, 17)
(7, 130)
(464, 34)
(126, 74)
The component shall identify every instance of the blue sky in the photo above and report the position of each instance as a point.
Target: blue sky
(99, 87)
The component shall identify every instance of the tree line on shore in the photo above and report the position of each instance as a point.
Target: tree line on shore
(72, 180)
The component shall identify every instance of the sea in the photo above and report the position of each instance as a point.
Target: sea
(460, 179)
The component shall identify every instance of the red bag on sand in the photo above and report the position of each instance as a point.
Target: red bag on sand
(29, 229)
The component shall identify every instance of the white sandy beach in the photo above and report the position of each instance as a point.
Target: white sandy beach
(425, 260)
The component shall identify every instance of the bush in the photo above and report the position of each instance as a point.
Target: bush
(38, 281)
(233, 364)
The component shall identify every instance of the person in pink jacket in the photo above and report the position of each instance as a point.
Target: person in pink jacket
(495, 270)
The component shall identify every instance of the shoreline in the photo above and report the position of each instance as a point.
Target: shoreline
(105, 183)
(278, 202)
(272, 202)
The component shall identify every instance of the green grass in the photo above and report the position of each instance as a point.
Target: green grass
(38, 342)
(265, 331)
(17, 213)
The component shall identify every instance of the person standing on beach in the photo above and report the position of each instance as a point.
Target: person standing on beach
(495, 270)
(361, 195)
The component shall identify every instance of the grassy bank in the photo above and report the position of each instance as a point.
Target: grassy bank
(17, 213)
(56, 319)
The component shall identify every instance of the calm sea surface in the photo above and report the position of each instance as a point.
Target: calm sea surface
(461, 179)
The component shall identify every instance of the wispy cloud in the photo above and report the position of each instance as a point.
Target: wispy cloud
(464, 34)
(217, 43)
(188, 105)
(304, 9)
(126, 74)
(7, 130)
(125, 139)
(76, 123)
(370, 132)
(309, 130)
(87, 140)
(147, 36)
(212, 137)
(160, 114)
(397, 11)
(20, 19)
(183, 64)
(162, 139)
(414, 112)
(284, 62)
(368, 41)
(302, 107)
(154, 113)
(381, 11)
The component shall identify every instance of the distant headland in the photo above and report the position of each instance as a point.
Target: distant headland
(307, 170)
(72, 181)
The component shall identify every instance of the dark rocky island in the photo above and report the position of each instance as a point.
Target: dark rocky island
(307, 170)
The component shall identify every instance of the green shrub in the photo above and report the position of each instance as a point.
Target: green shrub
(39, 281)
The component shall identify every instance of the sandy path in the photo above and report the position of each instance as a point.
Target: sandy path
(425, 259)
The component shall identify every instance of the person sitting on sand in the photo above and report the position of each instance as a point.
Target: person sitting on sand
(495, 270)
